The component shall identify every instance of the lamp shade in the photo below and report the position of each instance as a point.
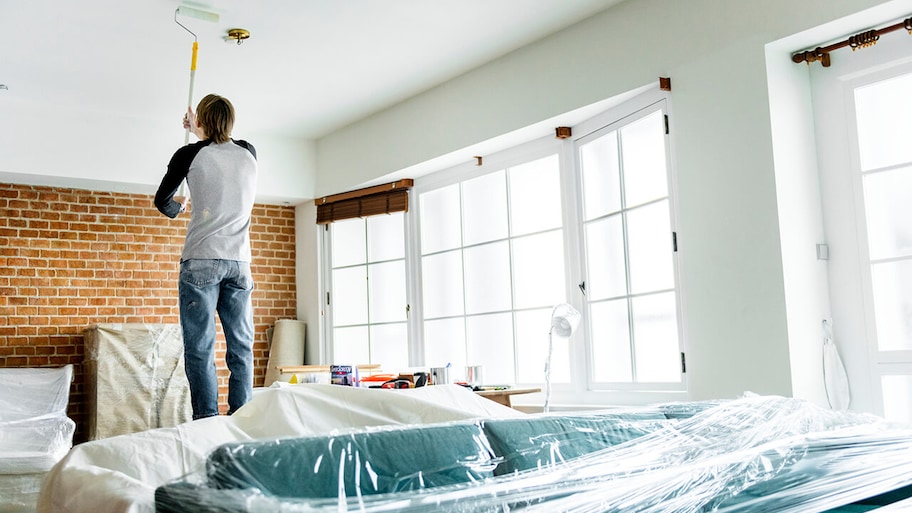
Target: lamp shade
(564, 319)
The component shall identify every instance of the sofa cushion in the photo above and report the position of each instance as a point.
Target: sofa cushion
(542, 441)
(362, 463)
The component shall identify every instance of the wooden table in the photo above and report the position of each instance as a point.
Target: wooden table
(503, 396)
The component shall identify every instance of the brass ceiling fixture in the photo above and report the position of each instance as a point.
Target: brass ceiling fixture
(237, 34)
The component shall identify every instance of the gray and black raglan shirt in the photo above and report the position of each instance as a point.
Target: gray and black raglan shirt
(222, 179)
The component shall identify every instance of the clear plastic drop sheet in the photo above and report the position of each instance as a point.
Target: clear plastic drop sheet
(30, 393)
(34, 429)
(135, 378)
(35, 432)
(756, 453)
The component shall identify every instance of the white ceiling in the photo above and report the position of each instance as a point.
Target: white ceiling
(310, 66)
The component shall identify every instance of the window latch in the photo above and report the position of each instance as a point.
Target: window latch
(582, 287)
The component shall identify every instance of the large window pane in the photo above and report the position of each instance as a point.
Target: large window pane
(440, 222)
(889, 212)
(649, 239)
(445, 344)
(490, 344)
(442, 279)
(350, 346)
(348, 242)
(611, 359)
(484, 207)
(655, 332)
(532, 328)
(389, 346)
(386, 236)
(349, 298)
(643, 151)
(605, 254)
(487, 278)
(535, 196)
(538, 270)
(387, 291)
(601, 176)
(882, 140)
(893, 304)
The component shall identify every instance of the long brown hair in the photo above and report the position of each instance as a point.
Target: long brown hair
(215, 115)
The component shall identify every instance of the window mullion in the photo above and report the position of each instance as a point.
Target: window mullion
(626, 239)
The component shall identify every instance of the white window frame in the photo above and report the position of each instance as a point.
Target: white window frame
(326, 286)
(633, 110)
(882, 363)
(581, 391)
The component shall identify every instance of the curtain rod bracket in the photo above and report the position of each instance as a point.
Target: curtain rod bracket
(814, 55)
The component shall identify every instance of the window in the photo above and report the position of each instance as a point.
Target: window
(885, 176)
(492, 267)
(493, 248)
(369, 310)
(630, 275)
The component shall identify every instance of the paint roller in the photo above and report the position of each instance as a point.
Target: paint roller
(200, 15)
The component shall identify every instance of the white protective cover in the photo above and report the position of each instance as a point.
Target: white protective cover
(120, 474)
(35, 432)
(135, 378)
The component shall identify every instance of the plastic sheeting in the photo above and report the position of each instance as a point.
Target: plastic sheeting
(120, 474)
(135, 378)
(35, 432)
(749, 454)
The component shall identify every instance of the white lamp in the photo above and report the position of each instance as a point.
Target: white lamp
(564, 319)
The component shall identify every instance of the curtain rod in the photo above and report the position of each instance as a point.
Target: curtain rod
(860, 40)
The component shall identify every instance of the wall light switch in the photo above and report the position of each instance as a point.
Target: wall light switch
(823, 252)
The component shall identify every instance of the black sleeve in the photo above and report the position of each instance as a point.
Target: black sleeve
(176, 173)
(246, 145)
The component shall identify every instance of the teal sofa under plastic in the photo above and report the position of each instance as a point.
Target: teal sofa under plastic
(398, 459)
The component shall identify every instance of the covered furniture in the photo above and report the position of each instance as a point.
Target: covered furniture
(135, 378)
(325, 448)
(751, 454)
(35, 432)
(120, 474)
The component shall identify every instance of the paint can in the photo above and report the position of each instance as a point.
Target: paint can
(440, 375)
(474, 375)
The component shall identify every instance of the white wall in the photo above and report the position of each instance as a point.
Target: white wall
(800, 220)
(124, 157)
(734, 281)
(307, 279)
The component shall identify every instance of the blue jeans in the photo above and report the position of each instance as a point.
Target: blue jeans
(225, 286)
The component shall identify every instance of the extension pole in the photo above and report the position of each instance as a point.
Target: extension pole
(192, 79)
(183, 190)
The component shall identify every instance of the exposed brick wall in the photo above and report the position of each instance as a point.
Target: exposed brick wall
(70, 259)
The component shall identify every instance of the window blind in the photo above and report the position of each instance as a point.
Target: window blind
(370, 201)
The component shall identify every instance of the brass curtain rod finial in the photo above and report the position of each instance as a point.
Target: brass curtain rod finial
(814, 55)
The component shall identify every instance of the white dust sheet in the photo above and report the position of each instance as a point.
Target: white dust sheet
(120, 474)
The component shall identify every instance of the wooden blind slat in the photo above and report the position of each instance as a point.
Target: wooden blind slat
(395, 200)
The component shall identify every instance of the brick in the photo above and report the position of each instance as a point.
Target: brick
(88, 257)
